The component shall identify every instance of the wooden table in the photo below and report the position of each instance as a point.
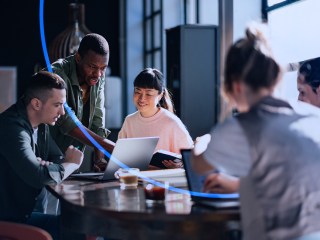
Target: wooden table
(103, 209)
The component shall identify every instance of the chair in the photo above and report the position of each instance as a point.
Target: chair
(17, 231)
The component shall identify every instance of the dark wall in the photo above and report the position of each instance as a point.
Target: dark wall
(20, 43)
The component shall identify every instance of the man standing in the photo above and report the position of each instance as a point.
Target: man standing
(23, 174)
(84, 74)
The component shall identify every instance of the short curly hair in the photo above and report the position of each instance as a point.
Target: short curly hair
(94, 42)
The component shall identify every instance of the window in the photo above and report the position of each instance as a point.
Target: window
(152, 20)
(194, 11)
(273, 2)
(295, 37)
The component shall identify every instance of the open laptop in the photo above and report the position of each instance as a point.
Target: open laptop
(133, 152)
(195, 184)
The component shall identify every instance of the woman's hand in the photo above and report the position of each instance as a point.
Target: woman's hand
(221, 183)
(172, 164)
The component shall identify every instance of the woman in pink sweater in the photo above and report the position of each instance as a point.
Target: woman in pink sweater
(155, 115)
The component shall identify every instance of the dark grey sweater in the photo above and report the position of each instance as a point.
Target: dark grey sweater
(21, 175)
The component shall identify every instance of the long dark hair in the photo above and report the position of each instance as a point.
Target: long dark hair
(94, 42)
(152, 78)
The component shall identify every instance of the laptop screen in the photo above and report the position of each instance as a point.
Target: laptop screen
(195, 182)
(128, 152)
(131, 152)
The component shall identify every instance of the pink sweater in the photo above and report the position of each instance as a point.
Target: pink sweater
(172, 132)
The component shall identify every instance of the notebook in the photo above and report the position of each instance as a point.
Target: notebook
(175, 177)
(133, 152)
(195, 183)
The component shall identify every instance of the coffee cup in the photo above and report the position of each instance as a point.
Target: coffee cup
(128, 177)
(156, 191)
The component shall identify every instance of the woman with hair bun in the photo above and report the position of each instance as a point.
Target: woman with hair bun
(155, 116)
(268, 152)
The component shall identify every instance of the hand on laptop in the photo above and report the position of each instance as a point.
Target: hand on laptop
(100, 165)
(221, 183)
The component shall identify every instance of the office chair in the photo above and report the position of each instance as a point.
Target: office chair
(17, 231)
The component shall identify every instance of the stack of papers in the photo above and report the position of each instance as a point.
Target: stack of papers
(175, 177)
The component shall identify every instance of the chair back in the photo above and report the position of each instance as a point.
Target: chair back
(17, 231)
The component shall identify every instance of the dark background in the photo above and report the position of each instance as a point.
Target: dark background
(20, 43)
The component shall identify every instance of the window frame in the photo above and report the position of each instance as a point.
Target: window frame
(149, 30)
(293, 66)
(266, 8)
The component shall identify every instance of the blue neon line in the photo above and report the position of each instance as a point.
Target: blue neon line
(43, 38)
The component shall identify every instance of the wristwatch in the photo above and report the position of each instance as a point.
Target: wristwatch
(106, 132)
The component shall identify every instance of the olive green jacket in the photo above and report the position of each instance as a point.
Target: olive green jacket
(66, 68)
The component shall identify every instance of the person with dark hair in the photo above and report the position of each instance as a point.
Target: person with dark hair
(84, 73)
(23, 173)
(308, 82)
(268, 152)
(155, 115)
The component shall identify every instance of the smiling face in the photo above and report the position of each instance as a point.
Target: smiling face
(146, 101)
(306, 93)
(91, 67)
(50, 110)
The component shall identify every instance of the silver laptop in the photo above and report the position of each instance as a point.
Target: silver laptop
(128, 152)
(195, 184)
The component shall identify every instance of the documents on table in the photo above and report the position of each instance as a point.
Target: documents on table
(175, 177)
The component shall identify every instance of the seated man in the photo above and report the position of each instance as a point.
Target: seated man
(23, 174)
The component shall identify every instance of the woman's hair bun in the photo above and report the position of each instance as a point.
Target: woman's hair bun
(256, 35)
